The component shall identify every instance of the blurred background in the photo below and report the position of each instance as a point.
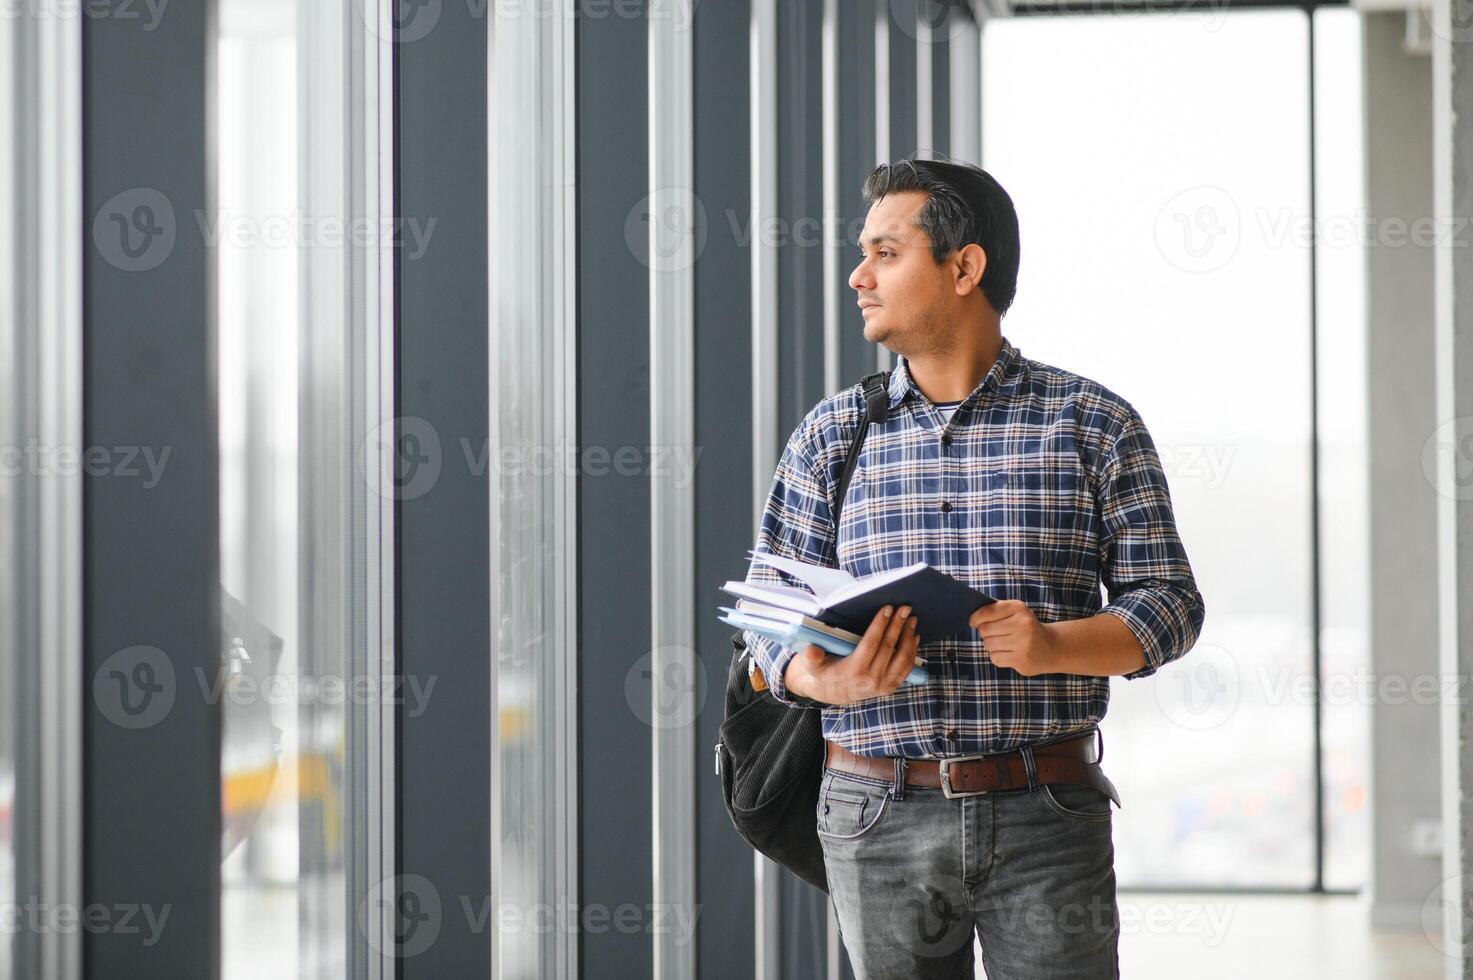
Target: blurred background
(391, 384)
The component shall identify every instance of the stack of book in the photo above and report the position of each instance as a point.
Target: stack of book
(837, 607)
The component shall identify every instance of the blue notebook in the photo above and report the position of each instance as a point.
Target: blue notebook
(942, 604)
(796, 636)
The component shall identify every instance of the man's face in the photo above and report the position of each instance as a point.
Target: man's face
(903, 293)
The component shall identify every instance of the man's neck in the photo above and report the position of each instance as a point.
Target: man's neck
(952, 376)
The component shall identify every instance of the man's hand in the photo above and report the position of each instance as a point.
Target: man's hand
(878, 666)
(1013, 637)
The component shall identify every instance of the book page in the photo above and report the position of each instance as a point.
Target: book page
(823, 581)
(859, 586)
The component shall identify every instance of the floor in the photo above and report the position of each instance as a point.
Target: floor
(1172, 936)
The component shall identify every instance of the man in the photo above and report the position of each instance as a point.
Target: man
(1034, 485)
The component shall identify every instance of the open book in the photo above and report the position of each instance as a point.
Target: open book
(941, 604)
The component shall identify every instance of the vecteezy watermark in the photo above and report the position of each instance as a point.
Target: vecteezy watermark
(135, 687)
(1199, 229)
(298, 229)
(1447, 917)
(1452, 19)
(35, 459)
(1183, 917)
(1359, 229)
(1201, 690)
(931, 918)
(151, 12)
(402, 459)
(1286, 684)
(411, 692)
(403, 915)
(119, 919)
(666, 688)
(930, 21)
(1124, 9)
(1447, 459)
(807, 231)
(674, 463)
(666, 229)
(933, 921)
(135, 230)
(1206, 463)
(412, 20)
(542, 918)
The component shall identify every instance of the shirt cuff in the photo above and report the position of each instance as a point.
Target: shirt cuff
(773, 659)
(1141, 627)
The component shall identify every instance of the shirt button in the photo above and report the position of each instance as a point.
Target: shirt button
(946, 438)
(945, 506)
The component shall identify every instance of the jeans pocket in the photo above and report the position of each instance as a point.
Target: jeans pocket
(849, 808)
(1076, 801)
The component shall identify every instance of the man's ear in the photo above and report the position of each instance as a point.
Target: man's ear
(970, 264)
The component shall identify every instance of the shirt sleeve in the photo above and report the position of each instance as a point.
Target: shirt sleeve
(1144, 566)
(797, 522)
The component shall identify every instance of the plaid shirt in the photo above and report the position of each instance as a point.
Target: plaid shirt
(1041, 487)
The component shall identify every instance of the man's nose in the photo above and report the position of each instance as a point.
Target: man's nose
(860, 277)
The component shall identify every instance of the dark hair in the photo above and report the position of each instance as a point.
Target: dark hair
(965, 205)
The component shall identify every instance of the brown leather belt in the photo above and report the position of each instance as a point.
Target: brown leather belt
(1073, 759)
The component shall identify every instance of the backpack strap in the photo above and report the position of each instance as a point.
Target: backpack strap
(877, 409)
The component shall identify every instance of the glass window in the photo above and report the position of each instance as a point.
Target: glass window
(299, 488)
(1162, 186)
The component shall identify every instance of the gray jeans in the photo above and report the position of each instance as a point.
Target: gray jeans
(911, 875)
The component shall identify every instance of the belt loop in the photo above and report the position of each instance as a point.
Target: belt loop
(1030, 767)
(1100, 738)
(898, 793)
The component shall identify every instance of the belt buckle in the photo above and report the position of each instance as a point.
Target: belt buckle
(945, 765)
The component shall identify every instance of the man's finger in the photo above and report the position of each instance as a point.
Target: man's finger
(905, 655)
(990, 612)
(1000, 623)
(873, 636)
(886, 652)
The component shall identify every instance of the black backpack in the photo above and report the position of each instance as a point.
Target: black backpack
(770, 755)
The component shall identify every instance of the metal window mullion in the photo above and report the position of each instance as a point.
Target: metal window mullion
(833, 291)
(966, 89)
(372, 726)
(1315, 599)
(832, 239)
(48, 336)
(535, 602)
(563, 276)
(925, 79)
(672, 514)
(763, 131)
(882, 120)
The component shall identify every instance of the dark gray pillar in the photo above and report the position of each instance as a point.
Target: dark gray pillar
(443, 608)
(723, 475)
(151, 739)
(614, 507)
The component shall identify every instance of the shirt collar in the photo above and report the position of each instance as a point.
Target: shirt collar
(902, 384)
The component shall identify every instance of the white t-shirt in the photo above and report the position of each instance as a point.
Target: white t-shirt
(947, 409)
